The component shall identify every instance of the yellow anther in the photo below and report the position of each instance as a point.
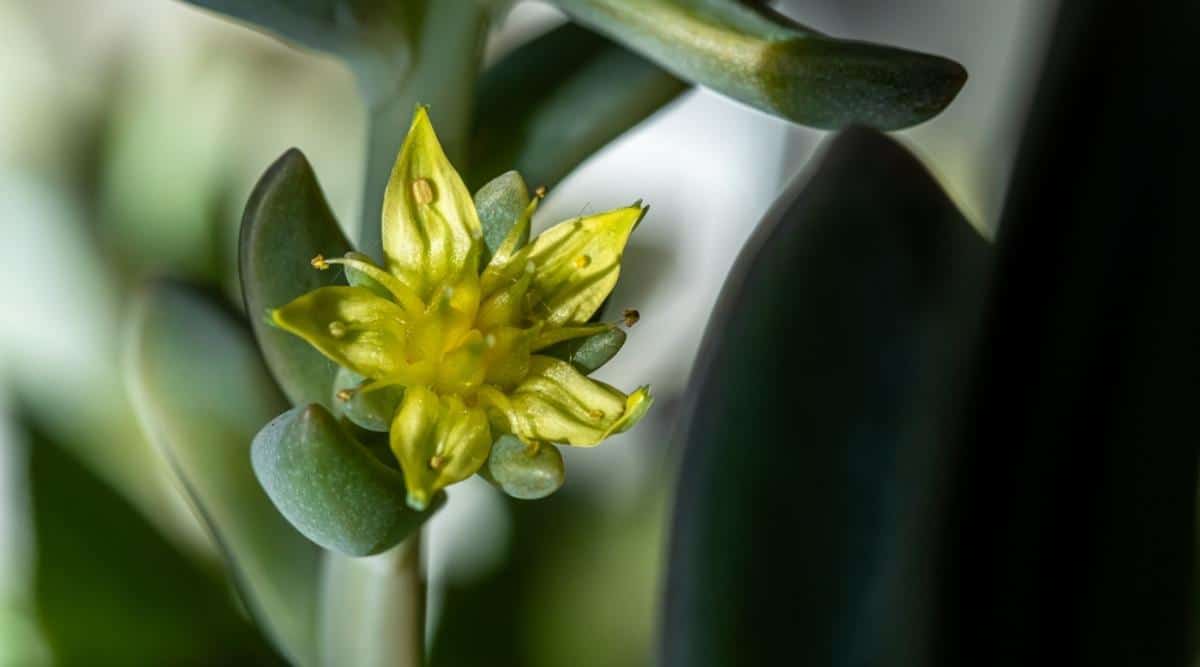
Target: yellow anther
(337, 329)
(582, 261)
(437, 461)
(344, 395)
(597, 414)
(422, 191)
(631, 316)
(540, 191)
(319, 262)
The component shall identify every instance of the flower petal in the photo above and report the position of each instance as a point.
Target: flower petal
(431, 232)
(351, 325)
(557, 403)
(578, 262)
(438, 441)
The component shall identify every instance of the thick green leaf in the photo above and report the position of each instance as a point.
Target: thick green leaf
(521, 472)
(371, 410)
(1073, 526)
(499, 203)
(759, 57)
(555, 101)
(827, 369)
(590, 353)
(330, 487)
(287, 223)
(201, 392)
(101, 565)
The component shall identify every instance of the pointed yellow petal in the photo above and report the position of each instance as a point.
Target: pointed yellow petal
(352, 326)
(438, 441)
(557, 403)
(578, 262)
(431, 232)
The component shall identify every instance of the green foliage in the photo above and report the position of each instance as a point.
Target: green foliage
(591, 352)
(524, 472)
(287, 223)
(201, 393)
(500, 202)
(827, 368)
(371, 410)
(330, 487)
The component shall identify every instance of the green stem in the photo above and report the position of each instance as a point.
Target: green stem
(441, 74)
(373, 611)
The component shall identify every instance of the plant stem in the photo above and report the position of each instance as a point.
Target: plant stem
(442, 73)
(373, 611)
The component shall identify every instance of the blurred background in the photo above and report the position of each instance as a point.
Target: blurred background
(131, 134)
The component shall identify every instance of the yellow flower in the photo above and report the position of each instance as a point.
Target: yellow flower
(463, 338)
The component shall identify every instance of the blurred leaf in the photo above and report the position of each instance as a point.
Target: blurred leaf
(1072, 533)
(521, 473)
(555, 101)
(287, 223)
(499, 203)
(759, 57)
(373, 609)
(330, 487)
(110, 590)
(201, 393)
(828, 366)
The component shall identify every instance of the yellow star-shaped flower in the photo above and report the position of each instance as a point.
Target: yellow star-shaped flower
(462, 337)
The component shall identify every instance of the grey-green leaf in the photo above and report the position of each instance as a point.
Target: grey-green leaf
(288, 222)
(330, 487)
(499, 203)
(757, 56)
(522, 472)
(589, 353)
(371, 410)
(555, 101)
(201, 392)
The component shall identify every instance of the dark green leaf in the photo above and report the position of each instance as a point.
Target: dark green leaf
(1072, 532)
(757, 56)
(201, 392)
(521, 472)
(330, 487)
(590, 353)
(111, 591)
(555, 101)
(827, 369)
(287, 223)
(371, 410)
(499, 203)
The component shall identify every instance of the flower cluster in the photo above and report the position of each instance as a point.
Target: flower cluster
(461, 338)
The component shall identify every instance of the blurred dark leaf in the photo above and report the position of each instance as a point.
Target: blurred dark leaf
(110, 590)
(330, 487)
(826, 370)
(201, 392)
(1072, 538)
(761, 58)
(287, 223)
(555, 101)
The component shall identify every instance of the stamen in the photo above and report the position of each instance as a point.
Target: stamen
(437, 461)
(319, 263)
(631, 316)
(344, 395)
(422, 191)
(582, 261)
(540, 192)
(337, 329)
(597, 414)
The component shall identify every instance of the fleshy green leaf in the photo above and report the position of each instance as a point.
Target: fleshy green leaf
(757, 56)
(555, 101)
(330, 487)
(438, 441)
(431, 232)
(557, 403)
(828, 367)
(500, 203)
(286, 224)
(201, 392)
(372, 410)
(527, 472)
(588, 354)
(577, 264)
